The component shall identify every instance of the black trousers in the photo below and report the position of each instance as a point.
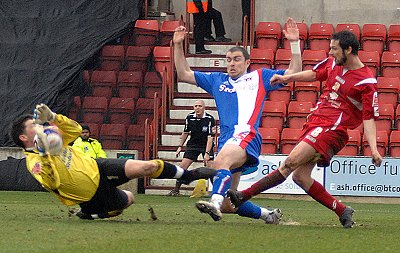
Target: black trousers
(215, 16)
(200, 29)
(246, 12)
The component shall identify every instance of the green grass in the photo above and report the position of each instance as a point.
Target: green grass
(36, 222)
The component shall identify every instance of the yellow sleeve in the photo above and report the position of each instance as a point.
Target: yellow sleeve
(43, 169)
(70, 128)
(100, 151)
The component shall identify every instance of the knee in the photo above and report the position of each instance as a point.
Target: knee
(131, 198)
(298, 178)
(290, 164)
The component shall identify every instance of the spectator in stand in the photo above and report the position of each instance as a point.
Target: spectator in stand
(200, 19)
(88, 145)
(199, 125)
(215, 16)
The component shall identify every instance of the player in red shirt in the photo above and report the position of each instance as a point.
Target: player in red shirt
(349, 98)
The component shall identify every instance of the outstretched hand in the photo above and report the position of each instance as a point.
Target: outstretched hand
(291, 32)
(179, 34)
(276, 79)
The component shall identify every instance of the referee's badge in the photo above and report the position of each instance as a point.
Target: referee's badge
(205, 129)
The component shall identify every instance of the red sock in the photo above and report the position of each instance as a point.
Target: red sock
(272, 179)
(318, 192)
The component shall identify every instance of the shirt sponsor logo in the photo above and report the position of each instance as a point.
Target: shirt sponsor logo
(37, 168)
(224, 88)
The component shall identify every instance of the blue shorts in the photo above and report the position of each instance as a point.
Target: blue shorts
(249, 141)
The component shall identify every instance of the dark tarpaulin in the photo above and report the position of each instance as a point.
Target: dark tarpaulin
(44, 46)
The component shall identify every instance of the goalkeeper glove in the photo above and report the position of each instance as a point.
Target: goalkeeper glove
(43, 114)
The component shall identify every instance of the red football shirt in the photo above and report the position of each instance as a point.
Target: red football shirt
(349, 96)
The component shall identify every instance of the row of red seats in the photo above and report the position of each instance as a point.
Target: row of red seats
(151, 33)
(118, 136)
(373, 37)
(276, 114)
(133, 58)
(387, 65)
(123, 84)
(388, 91)
(273, 142)
(100, 110)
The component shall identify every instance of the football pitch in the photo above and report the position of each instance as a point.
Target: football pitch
(36, 222)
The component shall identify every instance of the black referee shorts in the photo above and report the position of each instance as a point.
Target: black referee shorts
(193, 153)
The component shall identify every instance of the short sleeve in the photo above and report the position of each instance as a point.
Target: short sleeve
(205, 80)
(267, 75)
(370, 102)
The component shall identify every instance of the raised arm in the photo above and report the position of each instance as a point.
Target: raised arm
(370, 133)
(292, 35)
(185, 74)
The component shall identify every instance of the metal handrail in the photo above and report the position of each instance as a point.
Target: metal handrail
(252, 21)
(155, 122)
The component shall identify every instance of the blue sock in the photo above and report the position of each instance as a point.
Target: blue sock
(222, 182)
(248, 209)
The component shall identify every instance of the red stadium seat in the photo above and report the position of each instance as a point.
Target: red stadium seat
(391, 64)
(354, 28)
(146, 32)
(312, 57)
(94, 129)
(282, 58)
(268, 35)
(386, 117)
(261, 58)
(129, 84)
(307, 91)
(371, 59)
(135, 137)
(297, 113)
(395, 144)
(152, 84)
(167, 31)
(388, 90)
(74, 111)
(382, 140)
(137, 58)
(144, 109)
(289, 139)
(373, 37)
(393, 40)
(303, 36)
(112, 57)
(283, 94)
(270, 140)
(319, 36)
(162, 58)
(273, 114)
(103, 83)
(121, 110)
(113, 136)
(94, 109)
(353, 145)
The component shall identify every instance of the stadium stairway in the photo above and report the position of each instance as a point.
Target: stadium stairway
(184, 98)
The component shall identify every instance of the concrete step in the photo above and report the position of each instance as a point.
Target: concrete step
(174, 128)
(191, 101)
(181, 114)
(189, 88)
(170, 140)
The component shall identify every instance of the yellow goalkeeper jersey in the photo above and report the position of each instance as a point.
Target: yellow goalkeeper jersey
(72, 176)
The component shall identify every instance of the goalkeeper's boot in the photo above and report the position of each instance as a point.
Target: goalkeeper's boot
(346, 219)
(199, 173)
(209, 208)
(237, 198)
(274, 217)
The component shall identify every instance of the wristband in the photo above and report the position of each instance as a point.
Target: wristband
(295, 47)
(208, 153)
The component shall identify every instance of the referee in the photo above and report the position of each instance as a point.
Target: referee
(199, 125)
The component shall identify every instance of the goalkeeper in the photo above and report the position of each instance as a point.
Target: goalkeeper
(77, 179)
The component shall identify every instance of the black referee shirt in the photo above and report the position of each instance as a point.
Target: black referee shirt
(199, 129)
